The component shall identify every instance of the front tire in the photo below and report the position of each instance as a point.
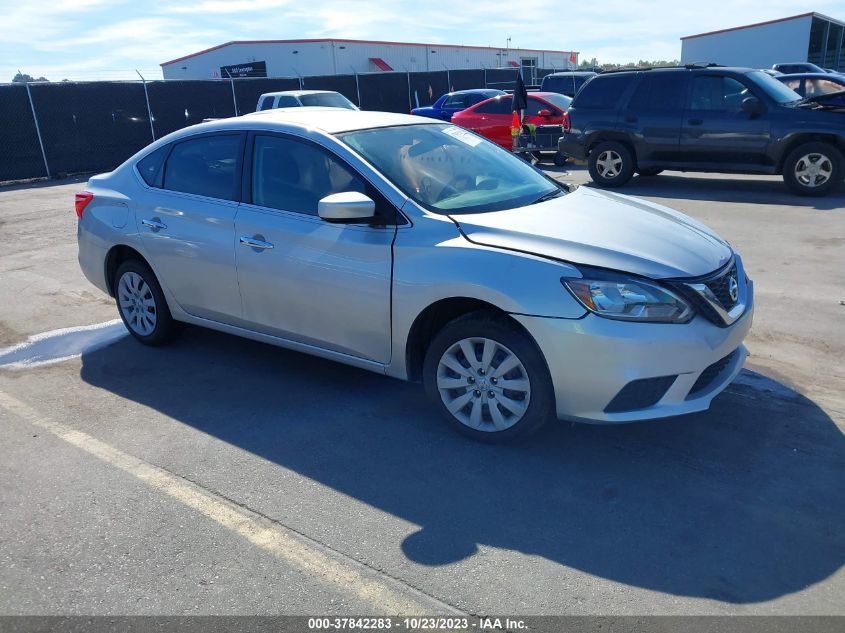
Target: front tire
(813, 169)
(141, 304)
(611, 164)
(488, 379)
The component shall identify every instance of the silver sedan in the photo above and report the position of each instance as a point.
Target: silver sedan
(421, 251)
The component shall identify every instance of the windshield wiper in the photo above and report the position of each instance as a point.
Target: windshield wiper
(554, 193)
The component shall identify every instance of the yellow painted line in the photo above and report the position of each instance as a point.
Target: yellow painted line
(387, 595)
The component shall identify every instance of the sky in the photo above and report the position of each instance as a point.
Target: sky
(111, 39)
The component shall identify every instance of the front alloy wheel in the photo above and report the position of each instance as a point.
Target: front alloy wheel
(813, 170)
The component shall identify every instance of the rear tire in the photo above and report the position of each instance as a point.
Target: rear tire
(611, 164)
(141, 304)
(813, 169)
(488, 378)
(560, 159)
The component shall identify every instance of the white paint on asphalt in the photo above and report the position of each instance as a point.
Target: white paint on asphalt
(56, 346)
(386, 594)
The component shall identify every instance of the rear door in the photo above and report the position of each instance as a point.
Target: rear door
(717, 131)
(186, 223)
(652, 116)
(300, 277)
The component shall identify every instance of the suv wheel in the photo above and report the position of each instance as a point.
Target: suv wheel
(611, 164)
(141, 304)
(488, 378)
(813, 169)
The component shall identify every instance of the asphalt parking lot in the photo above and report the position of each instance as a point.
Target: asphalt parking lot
(222, 476)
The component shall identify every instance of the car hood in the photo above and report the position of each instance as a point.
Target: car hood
(608, 230)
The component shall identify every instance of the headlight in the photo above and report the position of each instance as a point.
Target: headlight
(618, 296)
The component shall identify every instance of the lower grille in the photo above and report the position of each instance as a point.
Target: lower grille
(710, 374)
(639, 394)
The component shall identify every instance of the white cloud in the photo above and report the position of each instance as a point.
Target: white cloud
(79, 37)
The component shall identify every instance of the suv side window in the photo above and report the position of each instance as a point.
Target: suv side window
(719, 94)
(604, 92)
(206, 166)
(659, 92)
(499, 105)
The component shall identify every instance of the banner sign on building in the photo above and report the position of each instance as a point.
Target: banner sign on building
(249, 69)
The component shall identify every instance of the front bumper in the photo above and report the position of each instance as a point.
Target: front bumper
(592, 359)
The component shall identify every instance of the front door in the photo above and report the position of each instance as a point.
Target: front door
(716, 130)
(303, 278)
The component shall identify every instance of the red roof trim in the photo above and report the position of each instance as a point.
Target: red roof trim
(380, 63)
(751, 26)
(513, 63)
(344, 41)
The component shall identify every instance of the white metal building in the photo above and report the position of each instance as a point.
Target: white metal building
(291, 58)
(809, 37)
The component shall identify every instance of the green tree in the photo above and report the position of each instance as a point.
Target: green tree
(23, 78)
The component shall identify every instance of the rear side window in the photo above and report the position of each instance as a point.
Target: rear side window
(266, 103)
(206, 166)
(455, 101)
(287, 101)
(500, 105)
(604, 92)
(150, 167)
(659, 92)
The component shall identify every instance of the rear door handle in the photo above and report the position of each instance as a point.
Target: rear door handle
(695, 121)
(155, 224)
(255, 242)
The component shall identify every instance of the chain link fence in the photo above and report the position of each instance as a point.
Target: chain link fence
(56, 129)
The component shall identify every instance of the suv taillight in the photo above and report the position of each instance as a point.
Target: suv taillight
(566, 124)
(82, 200)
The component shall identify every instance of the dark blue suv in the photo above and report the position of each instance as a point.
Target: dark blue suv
(706, 118)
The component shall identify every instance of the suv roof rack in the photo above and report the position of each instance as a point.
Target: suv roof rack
(690, 66)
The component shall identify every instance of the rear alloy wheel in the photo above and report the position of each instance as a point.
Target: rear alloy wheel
(813, 169)
(611, 164)
(141, 304)
(488, 378)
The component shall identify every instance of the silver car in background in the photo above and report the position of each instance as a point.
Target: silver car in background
(421, 251)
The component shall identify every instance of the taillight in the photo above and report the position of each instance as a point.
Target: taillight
(83, 198)
(566, 124)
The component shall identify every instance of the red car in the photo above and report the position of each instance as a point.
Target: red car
(492, 118)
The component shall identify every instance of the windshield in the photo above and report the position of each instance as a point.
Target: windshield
(447, 169)
(327, 100)
(561, 101)
(774, 88)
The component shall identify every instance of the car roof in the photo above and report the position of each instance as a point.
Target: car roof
(473, 90)
(834, 76)
(328, 120)
(570, 73)
(298, 93)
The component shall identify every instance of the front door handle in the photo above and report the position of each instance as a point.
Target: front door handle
(155, 224)
(255, 242)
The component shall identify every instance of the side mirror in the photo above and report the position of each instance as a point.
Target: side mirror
(348, 206)
(752, 106)
(544, 113)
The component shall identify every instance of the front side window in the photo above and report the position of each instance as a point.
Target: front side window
(719, 94)
(447, 169)
(207, 166)
(816, 87)
(499, 105)
(294, 176)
